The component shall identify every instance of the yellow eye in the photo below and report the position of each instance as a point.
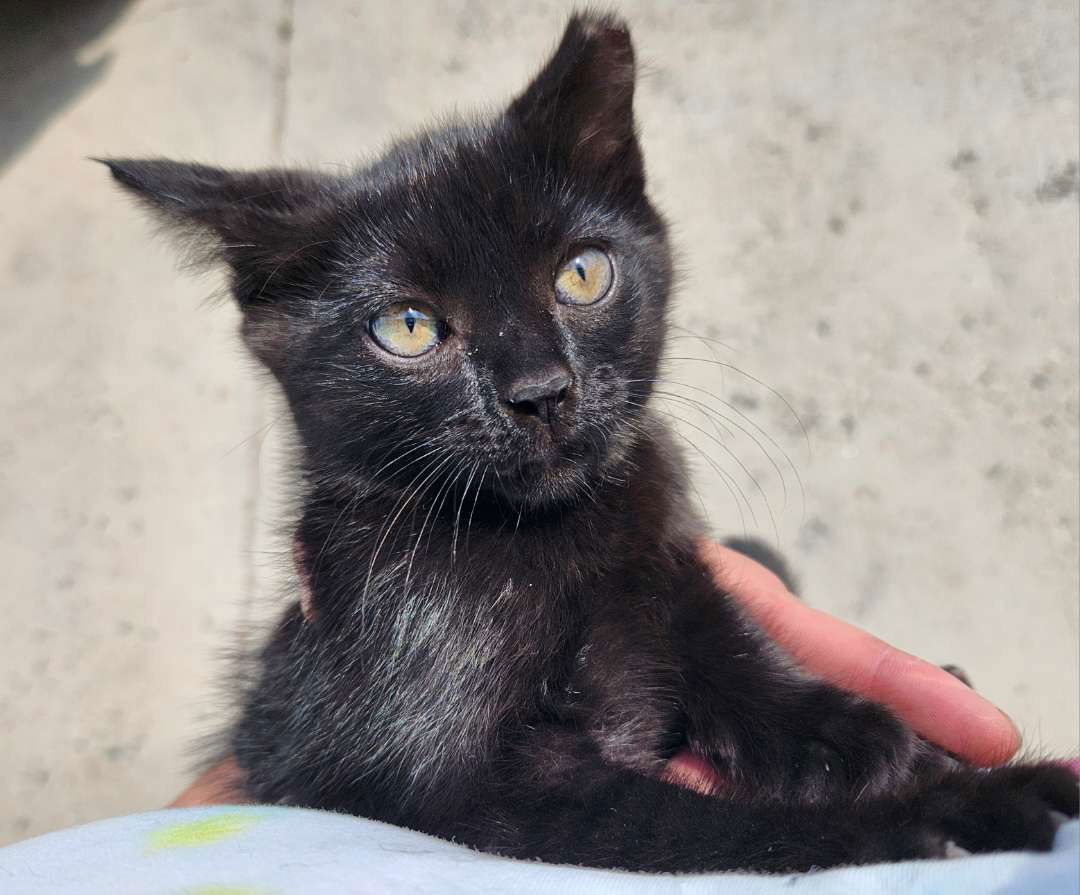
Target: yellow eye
(585, 278)
(407, 330)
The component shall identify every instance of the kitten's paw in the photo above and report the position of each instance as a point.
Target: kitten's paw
(854, 747)
(957, 672)
(831, 744)
(1007, 809)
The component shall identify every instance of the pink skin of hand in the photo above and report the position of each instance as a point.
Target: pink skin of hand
(932, 701)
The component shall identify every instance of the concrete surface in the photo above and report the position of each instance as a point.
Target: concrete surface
(876, 205)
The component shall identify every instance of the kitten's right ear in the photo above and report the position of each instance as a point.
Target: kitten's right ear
(254, 221)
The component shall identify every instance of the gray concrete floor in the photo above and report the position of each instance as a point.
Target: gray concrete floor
(876, 207)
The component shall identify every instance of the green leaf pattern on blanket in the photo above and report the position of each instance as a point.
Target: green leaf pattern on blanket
(204, 831)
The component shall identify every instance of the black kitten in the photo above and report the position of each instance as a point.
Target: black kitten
(509, 630)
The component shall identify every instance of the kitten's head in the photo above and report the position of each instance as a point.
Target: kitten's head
(486, 300)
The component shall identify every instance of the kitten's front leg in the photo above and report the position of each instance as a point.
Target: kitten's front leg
(556, 798)
(772, 730)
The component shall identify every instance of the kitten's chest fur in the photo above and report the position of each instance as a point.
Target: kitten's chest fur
(427, 648)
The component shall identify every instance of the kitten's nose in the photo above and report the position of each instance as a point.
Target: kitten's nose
(541, 394)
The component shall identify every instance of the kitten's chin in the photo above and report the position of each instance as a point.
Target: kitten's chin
(562, 474)
(561, 484)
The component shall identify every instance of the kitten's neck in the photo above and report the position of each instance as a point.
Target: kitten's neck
(355, 531)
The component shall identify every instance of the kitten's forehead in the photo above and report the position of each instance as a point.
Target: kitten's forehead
(479, 200)
(470, 174)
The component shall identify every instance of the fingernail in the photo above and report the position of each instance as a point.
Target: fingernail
(1013, 725)
(1008, 748)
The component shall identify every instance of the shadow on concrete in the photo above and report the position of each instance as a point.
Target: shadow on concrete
(40, 69)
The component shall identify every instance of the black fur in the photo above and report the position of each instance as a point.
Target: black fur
(509, 630)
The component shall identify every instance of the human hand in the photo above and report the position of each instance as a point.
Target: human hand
(932, 701)
(223, 784)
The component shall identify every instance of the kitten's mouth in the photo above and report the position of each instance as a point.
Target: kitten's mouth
(534, 466)
(558, 448)
(557, 470)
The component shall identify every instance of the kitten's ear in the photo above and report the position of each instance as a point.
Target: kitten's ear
(582, 101)
(254, 221)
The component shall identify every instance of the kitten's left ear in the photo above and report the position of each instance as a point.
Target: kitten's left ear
(582, 101)
(254, 221)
